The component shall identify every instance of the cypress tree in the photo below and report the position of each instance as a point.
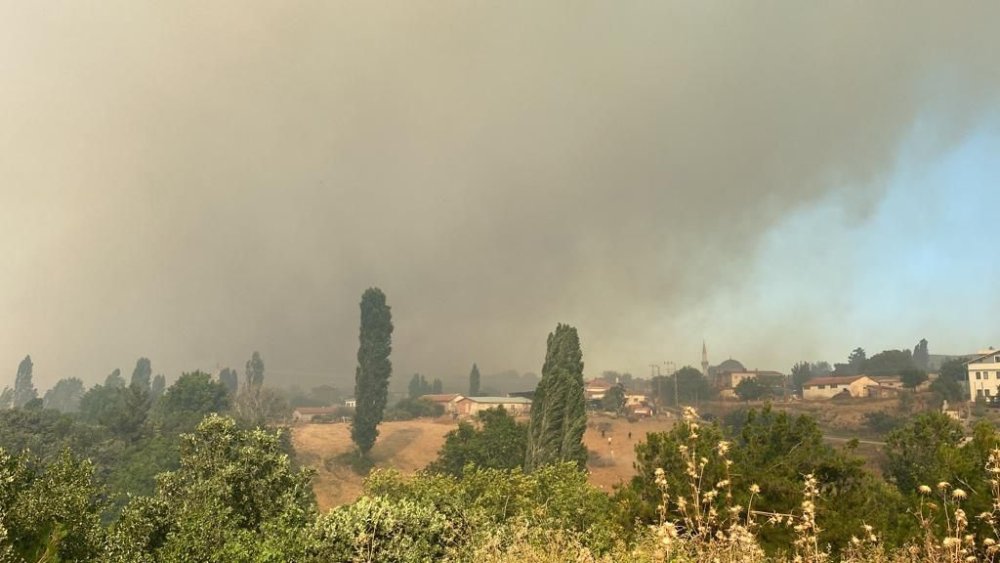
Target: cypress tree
(371, 380)
(558, 412)
(474, 381)
(24, 389)
(142, 374)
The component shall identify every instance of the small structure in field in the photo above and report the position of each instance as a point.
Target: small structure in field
(830, 387)
(470, 406)
(307, 414)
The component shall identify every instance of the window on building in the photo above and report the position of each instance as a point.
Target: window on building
(979, 375)
(979, 392)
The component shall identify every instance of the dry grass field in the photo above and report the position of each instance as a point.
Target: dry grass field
(410, 445)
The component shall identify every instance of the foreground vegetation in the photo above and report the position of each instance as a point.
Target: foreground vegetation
(767, 492)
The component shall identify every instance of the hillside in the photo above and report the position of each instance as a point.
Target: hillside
(410, 445)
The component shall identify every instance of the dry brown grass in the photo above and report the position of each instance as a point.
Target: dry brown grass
(409, 446)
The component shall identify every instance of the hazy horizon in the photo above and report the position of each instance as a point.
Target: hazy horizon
(191, 182)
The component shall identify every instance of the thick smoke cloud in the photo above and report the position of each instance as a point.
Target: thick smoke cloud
(192, 181)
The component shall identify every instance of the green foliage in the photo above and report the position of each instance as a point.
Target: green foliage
(801, 373)
(114, 379)
(912, 377)
(234, 497)
(371, 381)
(614, 399)
(773, 451)
(954, 369)
(187, 401)
(889, 362)
(856, 361)
(230, 380)
(474, 381)
(157, 388)
(437, 387)
(377, 529)
(48, 512)
(554, 497)
(419, 386)
(255, 371)
(558, 413)
(6, 398)
(498, 441)
(926, 450)
(65, 395)
(752, 389)
(921, 355)
(408, 409)
(24, 389)
(691, 385)
(881, 422)
(122, 410)
(142, 375)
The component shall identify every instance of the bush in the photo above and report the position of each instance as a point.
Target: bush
(408, 409)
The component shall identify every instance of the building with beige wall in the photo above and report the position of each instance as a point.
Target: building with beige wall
(471, 406)
(984, 375)
(830, 387)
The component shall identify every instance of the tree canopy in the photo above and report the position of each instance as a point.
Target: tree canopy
(371, 380)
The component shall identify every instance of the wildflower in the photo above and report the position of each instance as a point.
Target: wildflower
(754, 489)
(943, 485)
(958, 494)
(924, 490)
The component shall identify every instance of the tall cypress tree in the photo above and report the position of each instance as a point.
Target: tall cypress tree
(371, 380)
(558, 412)
(24, 389)
(474, 381)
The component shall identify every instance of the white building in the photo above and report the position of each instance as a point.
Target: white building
(984, 375)
(829, 387)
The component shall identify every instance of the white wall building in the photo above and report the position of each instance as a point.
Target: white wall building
(984, 375)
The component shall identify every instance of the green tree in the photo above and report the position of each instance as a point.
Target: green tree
(801, 373)
(418, 386)
(114, 379)
(558, 413)
(142, 375)
(614, 399)
(912, 377)
(234, 497)
(856, 361)
(923, 451)
(889, 362)
(186, 402)
(48, 511)
(250, 402)
(437, 387)
(496, 441)
(157, 387)
(921, 355)
(230, 380)
(6, 398)
(371, 380)
(954, 369)
(474, 381)
(752, 389)
(24, 389)
(691, 386)
(65, 395)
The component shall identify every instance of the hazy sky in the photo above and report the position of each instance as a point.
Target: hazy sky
(191, 181)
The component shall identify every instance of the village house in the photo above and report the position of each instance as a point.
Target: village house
(829, 387)
(471, 406)
(984, 375)
(595, 389)
(307, 414)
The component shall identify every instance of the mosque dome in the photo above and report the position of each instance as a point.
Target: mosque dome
(730, 366)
